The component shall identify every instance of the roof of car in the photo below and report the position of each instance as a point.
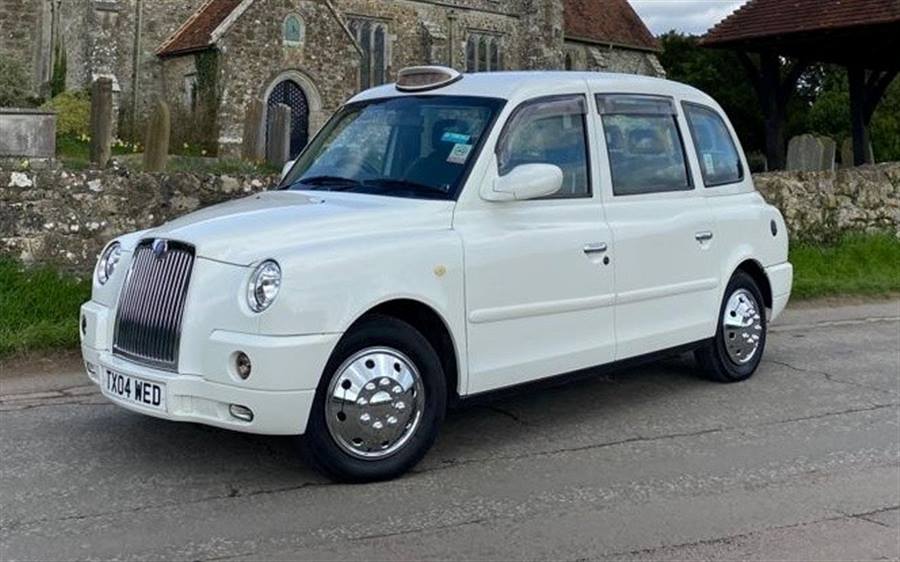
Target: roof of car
(509, 85)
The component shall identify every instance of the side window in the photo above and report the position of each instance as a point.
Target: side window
(549, 131)
(646, 152)
(718, 155)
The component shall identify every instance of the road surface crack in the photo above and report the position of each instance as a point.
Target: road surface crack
(828, 376)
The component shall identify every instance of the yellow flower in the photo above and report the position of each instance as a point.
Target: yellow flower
(185, 145)
(203, 152)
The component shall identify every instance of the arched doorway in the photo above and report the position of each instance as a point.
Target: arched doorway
(292, 95)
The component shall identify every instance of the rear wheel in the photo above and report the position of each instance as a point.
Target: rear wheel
(736, 350)
(379, 405)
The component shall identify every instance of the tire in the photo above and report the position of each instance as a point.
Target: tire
(735, 352)
(379, 405)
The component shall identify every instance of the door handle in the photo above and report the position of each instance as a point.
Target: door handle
(595, 248)
(704, 236)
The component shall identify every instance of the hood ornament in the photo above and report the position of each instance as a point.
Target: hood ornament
(159, 248)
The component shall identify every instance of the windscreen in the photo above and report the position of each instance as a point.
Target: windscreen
(410, 146)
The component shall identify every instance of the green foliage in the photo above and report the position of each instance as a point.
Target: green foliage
(13, 83)
(858, 264)
(820, 105)
(73, 113)
(721, 75)
(38, 308)
(58, 77)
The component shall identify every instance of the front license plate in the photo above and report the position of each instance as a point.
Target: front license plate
(135, 390)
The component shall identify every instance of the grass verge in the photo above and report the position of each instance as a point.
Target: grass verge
(38, 308)
(858, 264)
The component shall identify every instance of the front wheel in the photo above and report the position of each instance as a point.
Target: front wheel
(735, 352)
(379, 405)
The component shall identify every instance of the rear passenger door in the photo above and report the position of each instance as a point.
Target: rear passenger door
(666, 276)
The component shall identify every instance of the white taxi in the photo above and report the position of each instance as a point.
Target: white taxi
(443, 237)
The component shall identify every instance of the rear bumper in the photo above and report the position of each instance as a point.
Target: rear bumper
(781, 279)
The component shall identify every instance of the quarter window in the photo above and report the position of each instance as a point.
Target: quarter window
(549, 131)
(716, 151)
(646, 152)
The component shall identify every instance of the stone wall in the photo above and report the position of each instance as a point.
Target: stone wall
(819, 206)
(64, 218)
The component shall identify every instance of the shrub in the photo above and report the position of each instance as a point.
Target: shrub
(13, 83)
(73, 113)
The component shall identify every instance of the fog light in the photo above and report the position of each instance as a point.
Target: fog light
(83, 325)
(242, 413)
(91, 370)
(242, 365)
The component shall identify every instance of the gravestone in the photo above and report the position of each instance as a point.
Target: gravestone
(29, 133)
(278, 147)
(829, 152)
(101, 121)
(156, 145)
(847, 153)
(805, 154)
(253, 144)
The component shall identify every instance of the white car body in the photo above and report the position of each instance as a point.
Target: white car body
(510, 281)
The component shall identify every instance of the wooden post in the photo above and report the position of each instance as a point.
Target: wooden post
(856, 75)
(156, 146)
(278, 147)
(101, 121)
(253, 143)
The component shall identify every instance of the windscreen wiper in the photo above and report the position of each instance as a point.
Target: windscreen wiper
(330, 183)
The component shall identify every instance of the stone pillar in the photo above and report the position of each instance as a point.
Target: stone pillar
(101, 121)
(278, 147)
(156, 145)
(253, 142)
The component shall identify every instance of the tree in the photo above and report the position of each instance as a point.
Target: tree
(721, 75)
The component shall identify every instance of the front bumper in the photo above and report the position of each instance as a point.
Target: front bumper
(280, 390)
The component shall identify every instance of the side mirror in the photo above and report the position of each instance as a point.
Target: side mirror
(527, 181)
(287, 168)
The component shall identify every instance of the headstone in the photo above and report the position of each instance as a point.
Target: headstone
(101, 121)
(29, 133)
(156, 145)
(253, 145)
(278, 147)
(829, 151)
(805, 154)
(847, 153)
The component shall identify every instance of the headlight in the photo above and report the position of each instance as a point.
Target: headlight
(264, 285)
(108, 262)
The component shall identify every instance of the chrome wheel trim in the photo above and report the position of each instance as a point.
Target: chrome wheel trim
(374, 403)
(742, 326)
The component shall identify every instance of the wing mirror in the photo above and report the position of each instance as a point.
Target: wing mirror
(287, 168)
(526, 181)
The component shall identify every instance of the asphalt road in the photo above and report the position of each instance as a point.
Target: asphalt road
(801, 462)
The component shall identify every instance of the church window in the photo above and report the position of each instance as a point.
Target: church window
(484, 53)
(293, 30)
(372, 37)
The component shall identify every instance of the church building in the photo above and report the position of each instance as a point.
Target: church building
(209, 59)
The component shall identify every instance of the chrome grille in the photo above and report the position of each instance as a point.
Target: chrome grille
(151, 304)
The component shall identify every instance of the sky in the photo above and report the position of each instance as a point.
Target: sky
(687, 16)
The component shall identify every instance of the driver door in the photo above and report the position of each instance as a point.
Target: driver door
(539, 282)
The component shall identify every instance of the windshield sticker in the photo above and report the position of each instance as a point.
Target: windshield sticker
(456, 138)
(459, 154)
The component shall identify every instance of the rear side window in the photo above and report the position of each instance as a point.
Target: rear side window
(646, 151)
(549, 130)
(719, 160)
